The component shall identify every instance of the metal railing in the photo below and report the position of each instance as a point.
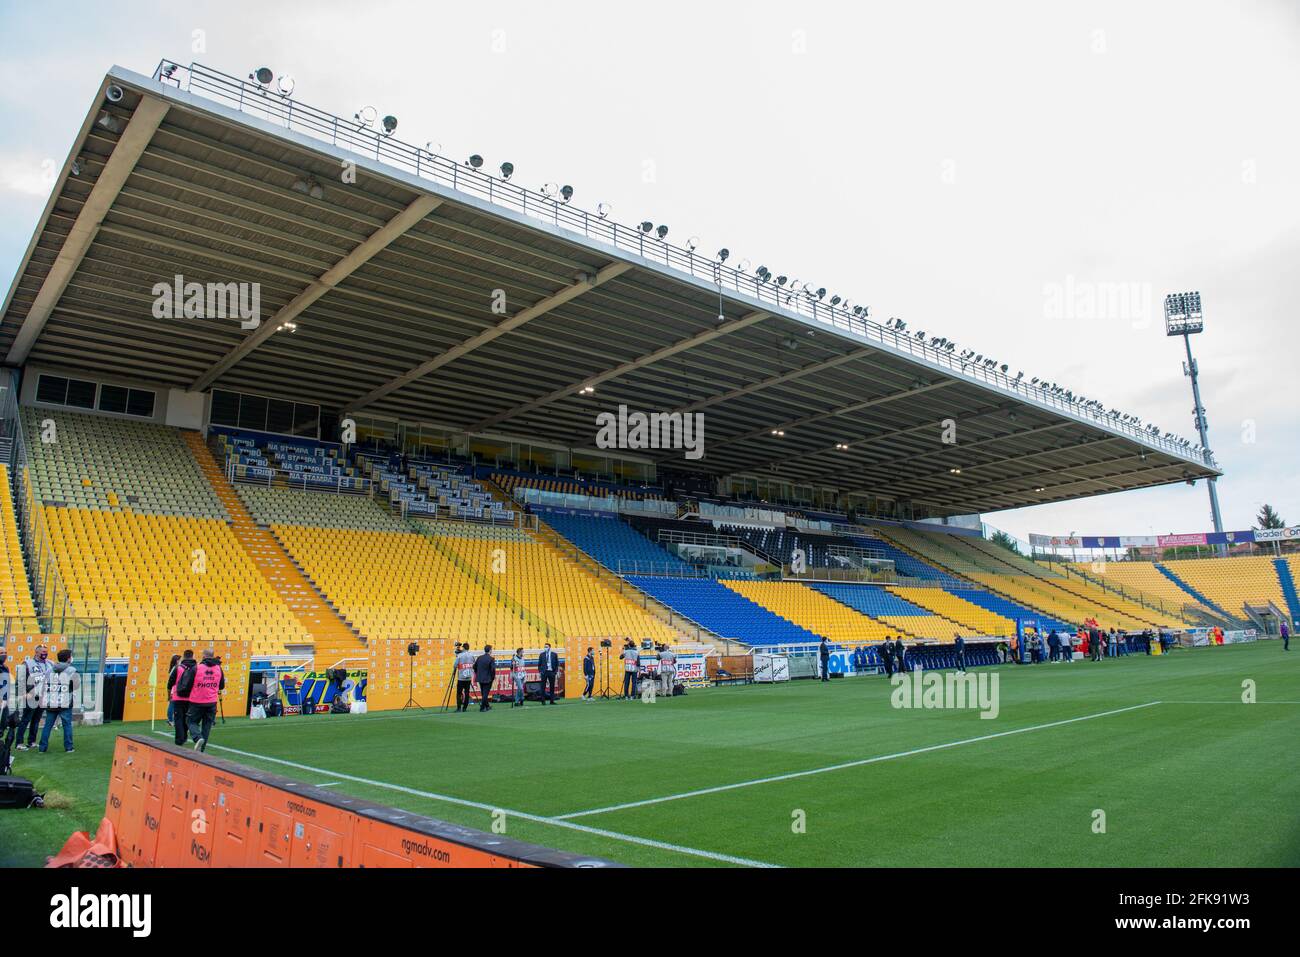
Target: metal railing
(268, 477)
(357, 137)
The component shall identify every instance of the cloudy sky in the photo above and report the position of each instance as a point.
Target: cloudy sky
(980, 170)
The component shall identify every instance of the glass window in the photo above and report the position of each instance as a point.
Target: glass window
(225, 408)
(52, 389)
(112, 398)
(306, 420)
(81, 394)
(252, 412)
(140, 402)
(279, 416)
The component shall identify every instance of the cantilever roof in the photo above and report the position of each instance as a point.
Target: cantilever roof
(391, 281)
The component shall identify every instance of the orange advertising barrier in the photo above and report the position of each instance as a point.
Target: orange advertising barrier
(143, 703)
(172, 807)
(607, 664)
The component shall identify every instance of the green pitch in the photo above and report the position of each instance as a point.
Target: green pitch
(1184, 773)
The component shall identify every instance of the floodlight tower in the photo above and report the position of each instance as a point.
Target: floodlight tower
(1183, 318)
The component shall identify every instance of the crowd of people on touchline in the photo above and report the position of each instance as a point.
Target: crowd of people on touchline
(481, 669)
(46, 690)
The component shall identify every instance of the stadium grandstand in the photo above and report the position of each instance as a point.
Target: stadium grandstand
(380, 456)
(282, 385)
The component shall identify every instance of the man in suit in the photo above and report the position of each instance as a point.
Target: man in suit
(959, 643)
(887, 656)
(900, 655)
(548, 665)
(588, 674)
(824, 654)
(485, 673)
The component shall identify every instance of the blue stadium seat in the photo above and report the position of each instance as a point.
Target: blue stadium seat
(722, 611)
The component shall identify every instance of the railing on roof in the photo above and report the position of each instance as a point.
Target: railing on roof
(356, 137)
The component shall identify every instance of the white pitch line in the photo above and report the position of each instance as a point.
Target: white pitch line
(847, 764)
(490, 808)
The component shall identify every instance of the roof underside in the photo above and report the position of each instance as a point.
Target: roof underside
(392, 286)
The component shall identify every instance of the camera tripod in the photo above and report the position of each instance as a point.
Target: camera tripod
(410, 686)
(605, 693)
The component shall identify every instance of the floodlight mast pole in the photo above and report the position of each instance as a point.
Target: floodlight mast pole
(1183, 317)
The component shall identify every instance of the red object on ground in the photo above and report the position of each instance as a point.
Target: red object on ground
(81, 850)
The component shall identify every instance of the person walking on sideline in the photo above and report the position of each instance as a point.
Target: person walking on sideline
(171, 680)
(548, 666)
(959, 643)
(518, 675)
(178, 702)
(60, 693)
(206, 682)
(1286, 637)
(485, 673)
(824, 655)
(887, 656)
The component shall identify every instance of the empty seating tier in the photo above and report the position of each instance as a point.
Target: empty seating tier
(163, 577)
(89, 461)
(723, 611)
(810, 609)
(15, 592)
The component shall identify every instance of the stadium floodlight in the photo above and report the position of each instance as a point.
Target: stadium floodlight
(566, 193)
(821, 293)
(693, 243)
(108, 122)
(782, 280)
(114, 93)
(744, 265)
(603, 210)
(662, 233)
(76, 167)
(365, 116)
(507, 170)
(723, 254)
(432, 147)
(1183, 317)
(550, 190)
(285, 85)
(475, 161)
(646, 226)
(1183, 314)
(263, 75)
(390, 125)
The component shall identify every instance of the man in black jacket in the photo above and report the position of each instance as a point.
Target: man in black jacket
(485, 673)
(548, 665)
(887, 656)
(589, 673)
(959, 645)
(900, 654)
(824, 653)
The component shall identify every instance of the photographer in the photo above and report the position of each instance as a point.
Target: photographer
(518, 677)
(464, 675)
(178, 704)
(631, 664)
(206, 681)
(667, 670)
(36, 670)
(60, 691)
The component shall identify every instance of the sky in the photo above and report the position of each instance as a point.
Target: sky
(1027, 179)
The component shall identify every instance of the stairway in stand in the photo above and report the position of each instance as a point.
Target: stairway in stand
(333, 639)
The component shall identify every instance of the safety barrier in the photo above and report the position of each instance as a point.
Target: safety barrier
(176, 808)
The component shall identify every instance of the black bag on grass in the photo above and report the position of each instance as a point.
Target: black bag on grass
(17, 792)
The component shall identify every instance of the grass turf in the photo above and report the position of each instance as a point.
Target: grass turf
(1199, 779)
